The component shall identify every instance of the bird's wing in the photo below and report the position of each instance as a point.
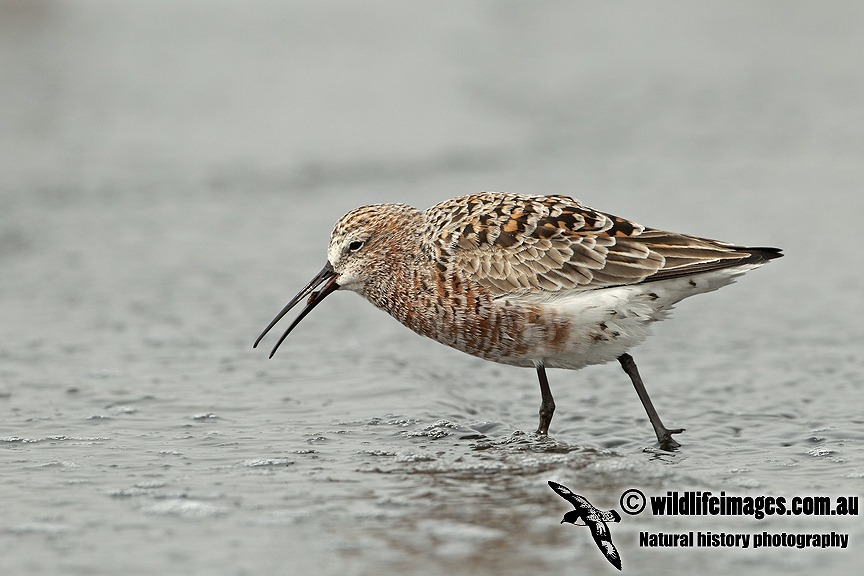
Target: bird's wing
(579, 502)
(603, 538)
(513, 244)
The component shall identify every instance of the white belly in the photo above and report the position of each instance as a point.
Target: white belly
(607, 322)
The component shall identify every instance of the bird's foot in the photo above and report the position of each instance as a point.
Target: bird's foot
(546, 412)
(664, 437)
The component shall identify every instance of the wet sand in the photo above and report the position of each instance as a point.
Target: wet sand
(168, 179)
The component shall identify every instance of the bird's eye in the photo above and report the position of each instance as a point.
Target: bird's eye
(354, 246)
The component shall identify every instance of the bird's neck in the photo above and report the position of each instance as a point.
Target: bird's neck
(396, 278)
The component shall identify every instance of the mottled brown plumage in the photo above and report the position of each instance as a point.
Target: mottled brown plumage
(515, 244)
(540, 281)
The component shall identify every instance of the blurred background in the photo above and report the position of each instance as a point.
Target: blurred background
(170, 172)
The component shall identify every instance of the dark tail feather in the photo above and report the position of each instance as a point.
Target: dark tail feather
(762, 254)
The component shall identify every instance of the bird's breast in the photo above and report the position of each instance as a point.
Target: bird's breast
(460, 313)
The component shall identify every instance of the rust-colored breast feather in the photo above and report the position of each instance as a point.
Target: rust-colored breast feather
(513, 244)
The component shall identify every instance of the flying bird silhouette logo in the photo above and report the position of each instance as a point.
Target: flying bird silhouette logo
(593, 518)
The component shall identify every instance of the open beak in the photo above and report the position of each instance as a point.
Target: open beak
(327, 277)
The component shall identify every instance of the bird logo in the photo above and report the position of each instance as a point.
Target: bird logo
(592, 517)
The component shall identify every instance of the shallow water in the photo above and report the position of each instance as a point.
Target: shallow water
(169, 178)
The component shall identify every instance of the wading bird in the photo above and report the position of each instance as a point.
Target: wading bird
(532, 281)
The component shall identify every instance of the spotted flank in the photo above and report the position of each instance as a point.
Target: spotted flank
(533, 281)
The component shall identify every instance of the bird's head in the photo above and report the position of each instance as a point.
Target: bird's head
(366, 240)
(365, 245)
(572, 517)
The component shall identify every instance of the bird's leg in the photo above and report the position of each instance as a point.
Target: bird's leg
(547, 404)
(664, 435)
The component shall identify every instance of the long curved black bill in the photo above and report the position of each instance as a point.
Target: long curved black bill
(327, 276)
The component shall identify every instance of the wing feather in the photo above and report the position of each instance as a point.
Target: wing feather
(515, 244)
